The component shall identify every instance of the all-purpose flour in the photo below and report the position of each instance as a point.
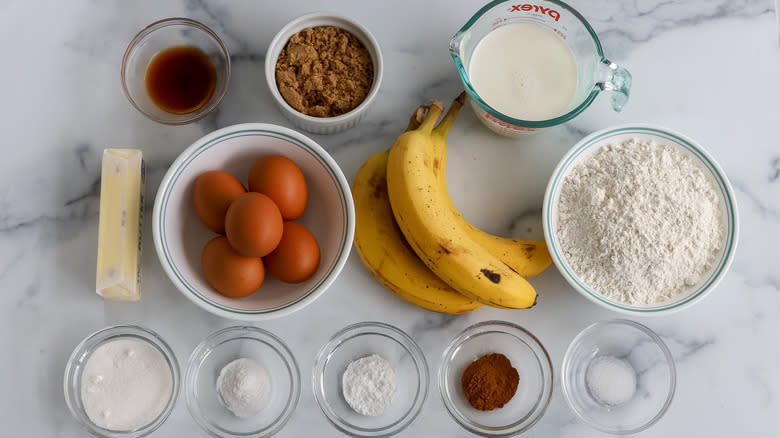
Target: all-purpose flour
(640, 222)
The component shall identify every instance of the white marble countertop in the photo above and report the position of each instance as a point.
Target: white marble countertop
(708, 68)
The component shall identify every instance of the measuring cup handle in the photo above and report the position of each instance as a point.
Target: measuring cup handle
(617, 79)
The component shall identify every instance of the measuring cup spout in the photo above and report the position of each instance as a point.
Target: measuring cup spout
(616, 79)
(455, 44)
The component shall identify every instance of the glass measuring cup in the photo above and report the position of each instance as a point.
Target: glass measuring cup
(595, 73)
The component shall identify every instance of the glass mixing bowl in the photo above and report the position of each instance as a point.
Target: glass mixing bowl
(360, 340)
(639, 347)
(221, 348)
(528, 357)
(162, 35)
(79, 358)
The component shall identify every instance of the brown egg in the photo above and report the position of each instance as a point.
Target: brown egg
(253, 224)
(297, 256)
(280, 179)
(212, 193)
(230, 273)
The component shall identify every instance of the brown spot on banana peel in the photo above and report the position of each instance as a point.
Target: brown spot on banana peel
(490, 275)
(380, 187)
(447, 247)
(528, 248)
(511, 269)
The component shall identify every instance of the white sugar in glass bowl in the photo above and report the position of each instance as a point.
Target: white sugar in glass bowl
(589, 145)
(179, 236)
(323, 125)
(80, 357)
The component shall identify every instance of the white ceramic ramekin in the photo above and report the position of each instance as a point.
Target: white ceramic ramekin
(322, 125)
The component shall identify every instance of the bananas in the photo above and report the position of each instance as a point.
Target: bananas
(430, 255)
(385, 252)
(527, 257)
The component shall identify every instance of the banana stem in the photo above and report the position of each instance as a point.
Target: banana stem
(417, 118)
(431, 117)
(449, 118)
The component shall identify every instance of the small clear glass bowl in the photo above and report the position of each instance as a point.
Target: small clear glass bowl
(79, 358)
(162, 35)
(223, 347)
(527, 356)
(360, 340)
(641, 348)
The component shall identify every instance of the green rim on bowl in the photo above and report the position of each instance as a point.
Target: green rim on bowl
(602, 137)
(213, 140)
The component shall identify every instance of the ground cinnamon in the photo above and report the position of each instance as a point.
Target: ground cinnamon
(489, 382)
(324, 71)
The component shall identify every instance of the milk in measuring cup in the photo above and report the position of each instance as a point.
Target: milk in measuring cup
(524, 71)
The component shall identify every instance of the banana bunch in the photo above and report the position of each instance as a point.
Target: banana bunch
(415, 242)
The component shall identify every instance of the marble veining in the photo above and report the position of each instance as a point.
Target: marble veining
(707, 68)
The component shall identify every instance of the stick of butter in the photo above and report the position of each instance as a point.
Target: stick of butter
(122, 185)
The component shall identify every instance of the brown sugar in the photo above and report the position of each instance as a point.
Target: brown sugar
(324, 71)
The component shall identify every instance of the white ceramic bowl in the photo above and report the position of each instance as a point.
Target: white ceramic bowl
(591, 144)
(179, 236)
(322, 125)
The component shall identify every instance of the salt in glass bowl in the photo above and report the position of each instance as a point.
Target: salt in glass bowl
(223, 347)
(527, 356)
(360, 340)
(78, 360)
(638, 346)
(162, 35)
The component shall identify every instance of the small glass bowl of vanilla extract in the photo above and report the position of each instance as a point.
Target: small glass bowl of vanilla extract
(176, 71)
